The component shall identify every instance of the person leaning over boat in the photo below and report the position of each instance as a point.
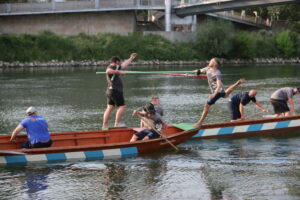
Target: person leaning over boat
(153, 124)
(238, 101)
(280, 98)
(214, 78)
(158, 108)
(114, 91)
(37, 130)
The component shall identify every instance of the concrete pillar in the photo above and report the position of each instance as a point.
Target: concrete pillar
(97, 4)
(8, 7)
(168, 4)
(194, 23)
(53, 5)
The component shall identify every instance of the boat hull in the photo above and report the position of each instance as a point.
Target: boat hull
(273, 126)
(89, 151)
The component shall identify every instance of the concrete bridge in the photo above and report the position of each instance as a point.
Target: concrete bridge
(70, 17)
(201, 7)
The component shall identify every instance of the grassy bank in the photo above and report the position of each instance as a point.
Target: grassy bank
(216, 39)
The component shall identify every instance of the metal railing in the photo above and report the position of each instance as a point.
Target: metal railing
(57, 6)
(241, 16)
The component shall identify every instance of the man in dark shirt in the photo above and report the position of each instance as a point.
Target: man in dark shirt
(238, 101)
(114, 90)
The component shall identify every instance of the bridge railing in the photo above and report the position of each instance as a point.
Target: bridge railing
(11, 7)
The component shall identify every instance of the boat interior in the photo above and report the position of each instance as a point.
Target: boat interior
(84, 138)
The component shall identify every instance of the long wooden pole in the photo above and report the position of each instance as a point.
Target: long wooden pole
(154, 72)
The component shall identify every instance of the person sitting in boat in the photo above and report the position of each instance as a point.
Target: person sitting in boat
(152, 121)
(158, 108)
(280, 98)
(238, 101)
(36, 128)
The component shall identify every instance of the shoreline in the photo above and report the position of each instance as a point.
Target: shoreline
(91, 63)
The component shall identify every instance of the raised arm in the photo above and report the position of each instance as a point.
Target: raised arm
(129, 60)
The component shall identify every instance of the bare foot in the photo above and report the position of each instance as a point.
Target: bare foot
(197, 125)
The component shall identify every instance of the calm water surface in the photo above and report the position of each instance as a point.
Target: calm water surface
(73, 100)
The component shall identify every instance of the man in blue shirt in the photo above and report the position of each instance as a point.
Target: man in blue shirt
(238, 101)
(36, 128)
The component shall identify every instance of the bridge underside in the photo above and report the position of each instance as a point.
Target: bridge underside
(227, 5)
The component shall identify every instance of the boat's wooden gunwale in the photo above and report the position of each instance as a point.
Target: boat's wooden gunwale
(249, 122)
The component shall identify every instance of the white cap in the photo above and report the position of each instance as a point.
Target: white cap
(31, 110)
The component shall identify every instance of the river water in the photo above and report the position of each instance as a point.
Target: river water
(73, 100)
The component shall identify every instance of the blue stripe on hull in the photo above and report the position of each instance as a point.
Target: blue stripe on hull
(94, 155)
(226, 130)
(62, 157)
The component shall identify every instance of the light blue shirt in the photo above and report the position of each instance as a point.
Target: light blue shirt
(36, 128)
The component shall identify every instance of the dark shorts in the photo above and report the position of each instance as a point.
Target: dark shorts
(27, 144)
(234, 111)
(218, 96)
(115, 97)
(147, 132)
(280, 106)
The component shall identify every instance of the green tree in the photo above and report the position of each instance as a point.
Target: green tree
(285, 44)
(215, 38)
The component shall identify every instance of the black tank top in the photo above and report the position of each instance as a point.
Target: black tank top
(114, 80)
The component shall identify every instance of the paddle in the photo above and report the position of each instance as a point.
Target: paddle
(151, 125)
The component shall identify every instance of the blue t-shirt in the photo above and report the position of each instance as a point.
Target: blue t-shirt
(242, 98)
(36, 128)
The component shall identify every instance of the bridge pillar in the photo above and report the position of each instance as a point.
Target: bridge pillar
(53, 5)
(194, 23)
(168, 4)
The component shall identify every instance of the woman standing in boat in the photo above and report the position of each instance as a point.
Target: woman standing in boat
(114, 91)
(214, 78)
(37, 130)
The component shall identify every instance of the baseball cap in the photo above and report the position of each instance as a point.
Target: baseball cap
(31, 110)
(149, 108)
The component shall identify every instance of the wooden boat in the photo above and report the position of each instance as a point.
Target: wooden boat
(273, 126)
(89, 145)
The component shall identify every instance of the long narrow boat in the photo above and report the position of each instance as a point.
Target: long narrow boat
(282, 125)
(88, 145)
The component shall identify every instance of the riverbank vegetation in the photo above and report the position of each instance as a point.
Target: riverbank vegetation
(215, 38)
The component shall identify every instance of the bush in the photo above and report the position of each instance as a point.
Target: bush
(215, 39)
(244, 45)
(285, 44)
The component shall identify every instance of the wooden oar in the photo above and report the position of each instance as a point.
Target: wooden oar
(151, 125)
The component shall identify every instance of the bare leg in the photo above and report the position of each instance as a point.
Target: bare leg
(232, 87)
(106, 115)
(203, 116)
(146, 138)
(119, 115)
(286, 114)
(134, 138)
